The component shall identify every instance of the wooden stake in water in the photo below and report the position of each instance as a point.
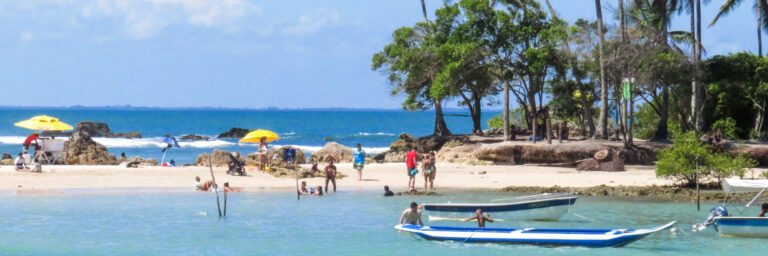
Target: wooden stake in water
(215, 188)
(698, 198)
(298, 195)
(225, 203)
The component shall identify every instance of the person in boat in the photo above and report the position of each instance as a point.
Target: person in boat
(318, 192)
(410, 163)
(303, 190)
(31, 140)
(411, 215)
(203, 186)
(428, 165)
(480, 218)
(330, 175)
(764, 210)
(388, 192)
(226, 188)
(359, 161)
(20, 164)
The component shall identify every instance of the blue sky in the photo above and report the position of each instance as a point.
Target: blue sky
(232, 53)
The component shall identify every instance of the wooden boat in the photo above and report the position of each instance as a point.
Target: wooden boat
(549, 207)
(539, 236)
(738, 225)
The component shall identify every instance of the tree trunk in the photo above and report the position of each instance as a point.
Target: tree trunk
(702, 91)
(602, 129)
(694, 85)
(506, 111)
(587, 112)
(759, 28)
(661, 129)
(424, 11)
(441, 129)
(534, 111)
(631, 116)
(477, 125)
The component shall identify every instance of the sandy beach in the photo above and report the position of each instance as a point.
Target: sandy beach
(449, 175)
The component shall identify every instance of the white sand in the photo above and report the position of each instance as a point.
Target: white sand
(375, 176)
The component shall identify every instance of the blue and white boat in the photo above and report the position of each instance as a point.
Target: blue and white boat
(547, 207)
(738, 225)
(539, 236)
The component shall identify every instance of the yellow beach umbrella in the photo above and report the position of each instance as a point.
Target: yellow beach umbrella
(255, 136)
(44, 123)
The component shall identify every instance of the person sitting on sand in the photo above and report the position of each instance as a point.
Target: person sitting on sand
(764, 210)
(226, 188)
(388, 192)
(428, 165)
(303, 190)
(21, 164)
(480, 218)
(410, 164)
(717, 137)
(318, 192)
(203, 186)
(330, 175)
(411, 216)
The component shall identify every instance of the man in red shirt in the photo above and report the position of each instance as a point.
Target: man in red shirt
(31, 140)
(410, 163)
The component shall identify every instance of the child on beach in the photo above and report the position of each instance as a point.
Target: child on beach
(388, 192)
(21, 164)
(359, 161)
(330, 175)
(429, 170)
(318, 192)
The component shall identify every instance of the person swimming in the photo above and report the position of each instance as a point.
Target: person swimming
(480, 218)
(764, 210)
(411, 215)
(388, 192)
(303, 190)
(318, 192)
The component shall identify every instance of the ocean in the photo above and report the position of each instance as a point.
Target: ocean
(349, 222)
(305, 129)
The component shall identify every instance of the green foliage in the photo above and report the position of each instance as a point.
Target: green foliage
(687, 152)
(646, 120)
(516, 118)
(727, 126)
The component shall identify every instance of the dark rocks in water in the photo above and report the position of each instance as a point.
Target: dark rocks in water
(81, 149)
(94, 129)
(329, 138)
(667, 193)
(234, 133)
(6, 156)
(418, 193)
(128, 135)
(194, 137)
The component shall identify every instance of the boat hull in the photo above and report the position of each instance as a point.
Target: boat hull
(742, 226)
(553, 237)
(546, 210)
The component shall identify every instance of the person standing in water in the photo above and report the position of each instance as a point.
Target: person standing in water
(359, 161)
(429, 170)
(330, 175)
(263, 153)
(411, 216)
(480, 218)
(410, 164)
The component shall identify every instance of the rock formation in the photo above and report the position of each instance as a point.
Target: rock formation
(234, 133)
(340, 154)
(138, 161)
(81, 149)
(194, 137)
(128, 135)
(253, 158)
(219, 158)
(6, 156)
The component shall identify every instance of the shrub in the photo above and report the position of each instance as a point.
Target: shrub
(680, 160)
(515, 119)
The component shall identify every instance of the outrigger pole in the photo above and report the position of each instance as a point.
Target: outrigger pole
(215, 188)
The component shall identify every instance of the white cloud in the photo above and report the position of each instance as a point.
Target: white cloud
(309, 23)
(146, 18)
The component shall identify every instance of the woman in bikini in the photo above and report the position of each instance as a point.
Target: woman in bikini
(429, 170)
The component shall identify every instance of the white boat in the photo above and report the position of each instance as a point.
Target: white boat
(548, 207)
(539, 236)
(738, 225)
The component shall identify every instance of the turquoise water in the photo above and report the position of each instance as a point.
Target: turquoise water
(345, 223)
(307, 129)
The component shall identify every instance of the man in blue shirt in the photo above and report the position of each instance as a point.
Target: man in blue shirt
(359, 161)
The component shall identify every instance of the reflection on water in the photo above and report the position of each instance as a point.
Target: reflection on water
(348, 222)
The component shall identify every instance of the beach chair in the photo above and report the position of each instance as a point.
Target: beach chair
(51, 151)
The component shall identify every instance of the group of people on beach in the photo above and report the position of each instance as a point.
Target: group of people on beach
(427, 166)
(20, 162)
(412, 216)
(209, 185)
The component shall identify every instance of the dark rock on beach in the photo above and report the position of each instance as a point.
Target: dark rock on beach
(194, 137)
(338, 152)
(234, 133)
(6, 156)
(81, 149)
(218, 158)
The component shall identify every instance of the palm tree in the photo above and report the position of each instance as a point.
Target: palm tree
(762, 18)
(602, 129)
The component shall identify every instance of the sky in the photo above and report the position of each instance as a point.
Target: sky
(235, 53)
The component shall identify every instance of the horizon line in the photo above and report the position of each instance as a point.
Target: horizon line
(130, 107)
